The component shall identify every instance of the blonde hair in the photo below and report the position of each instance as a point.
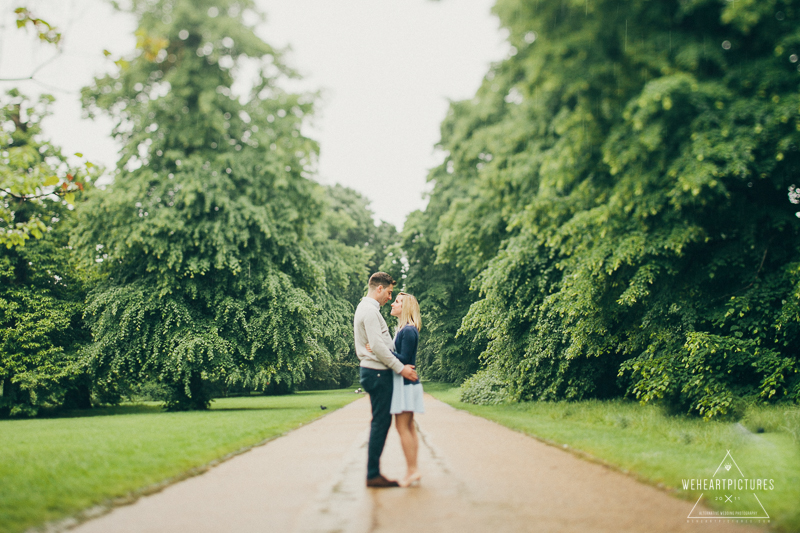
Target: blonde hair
(409, 312)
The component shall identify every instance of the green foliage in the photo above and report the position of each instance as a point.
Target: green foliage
(41, 286)
(31, 170)
(486, 387)
(42, 331)
(352, 223)
(43, 29)
(618, 191)
(350, 247)
(442, 289)
(212, 239)
(712, 373)
(343, 239)
(148, 391)
(41, 307)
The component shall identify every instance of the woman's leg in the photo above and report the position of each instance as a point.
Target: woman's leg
(412, 427)
(408, 439)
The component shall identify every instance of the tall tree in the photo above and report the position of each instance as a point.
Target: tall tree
(41, 285)
(342, 248)
(442, 287)
(203, 238)
(349, 246)
(620, 187)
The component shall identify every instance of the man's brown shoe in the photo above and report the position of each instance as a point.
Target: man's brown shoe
(380, 482)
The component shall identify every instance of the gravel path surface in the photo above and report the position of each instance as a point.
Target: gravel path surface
(477, 477)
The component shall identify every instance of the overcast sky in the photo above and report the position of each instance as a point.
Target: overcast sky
(386, 69)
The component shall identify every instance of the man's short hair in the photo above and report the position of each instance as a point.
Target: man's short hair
(380, 279)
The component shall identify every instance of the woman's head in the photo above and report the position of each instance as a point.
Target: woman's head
(406, 309)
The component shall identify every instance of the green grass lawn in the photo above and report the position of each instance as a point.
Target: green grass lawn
(662, 449)
(51, 468)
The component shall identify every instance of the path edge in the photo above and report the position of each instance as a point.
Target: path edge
(586, 456)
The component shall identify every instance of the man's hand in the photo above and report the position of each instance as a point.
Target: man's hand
(408, 372)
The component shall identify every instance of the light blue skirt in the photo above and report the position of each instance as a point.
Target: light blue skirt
(405, 397)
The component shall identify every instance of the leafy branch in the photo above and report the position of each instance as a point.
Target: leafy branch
(45, 31)
(31, 171)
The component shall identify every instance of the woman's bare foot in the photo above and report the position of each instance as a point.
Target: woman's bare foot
(410, 479)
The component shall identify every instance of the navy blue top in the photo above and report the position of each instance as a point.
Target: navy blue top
(405, 344)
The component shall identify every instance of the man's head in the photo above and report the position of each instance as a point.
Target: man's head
(380, 287)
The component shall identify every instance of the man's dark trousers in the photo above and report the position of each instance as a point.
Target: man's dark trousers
(378, 383)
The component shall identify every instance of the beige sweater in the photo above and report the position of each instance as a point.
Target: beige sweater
(370, 327)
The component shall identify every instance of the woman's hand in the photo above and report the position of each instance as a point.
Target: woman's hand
(368, 348)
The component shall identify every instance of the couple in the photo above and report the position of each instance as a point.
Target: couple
(388, 375)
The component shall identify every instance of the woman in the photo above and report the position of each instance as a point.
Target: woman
(406, 394)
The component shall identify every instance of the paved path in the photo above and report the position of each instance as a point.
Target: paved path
(478, 477)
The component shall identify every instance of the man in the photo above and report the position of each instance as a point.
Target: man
(376, 366)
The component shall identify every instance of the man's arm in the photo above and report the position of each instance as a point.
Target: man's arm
(372, 326)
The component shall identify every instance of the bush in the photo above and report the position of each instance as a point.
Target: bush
(712, 375)
(149, 391)
(487, 387)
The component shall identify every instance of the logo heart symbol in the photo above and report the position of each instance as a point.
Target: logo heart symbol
(727, 467)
